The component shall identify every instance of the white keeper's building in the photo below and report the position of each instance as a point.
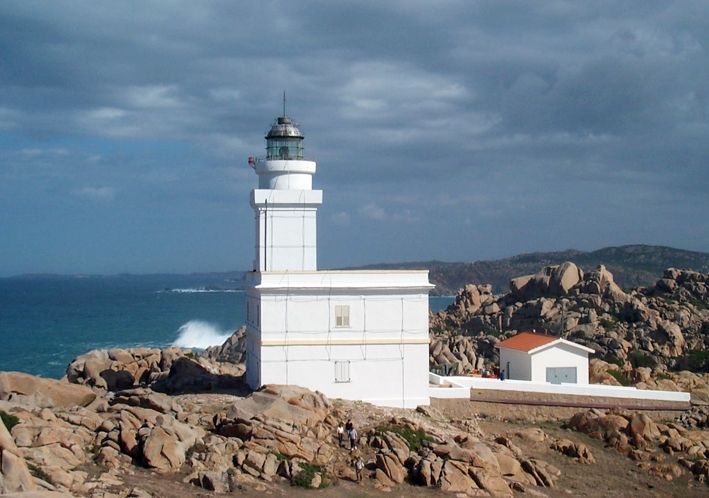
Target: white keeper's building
(544, 358)
(357, 335)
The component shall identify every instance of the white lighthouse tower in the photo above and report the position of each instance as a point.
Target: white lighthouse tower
(284, 203)
(359, 335)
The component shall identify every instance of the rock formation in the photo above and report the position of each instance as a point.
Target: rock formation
(638, 437)
(84, 437)
(14, 474)
(171, 370)
(664, 326)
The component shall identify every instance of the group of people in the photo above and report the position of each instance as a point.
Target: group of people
(357, 462)
(351, 434)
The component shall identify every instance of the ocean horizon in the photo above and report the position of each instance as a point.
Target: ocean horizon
(47, 321)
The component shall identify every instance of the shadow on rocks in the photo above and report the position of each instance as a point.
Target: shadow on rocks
(188, 376)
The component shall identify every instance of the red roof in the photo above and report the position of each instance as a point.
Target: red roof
(526, 341)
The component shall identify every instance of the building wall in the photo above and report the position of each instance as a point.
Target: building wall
(382, 374)
(293, 338)
(520, 364)
(560, 355)
(285, 229)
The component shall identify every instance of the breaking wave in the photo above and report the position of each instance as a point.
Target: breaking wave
(199, 334)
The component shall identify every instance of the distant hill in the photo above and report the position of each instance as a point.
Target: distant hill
(632, 266)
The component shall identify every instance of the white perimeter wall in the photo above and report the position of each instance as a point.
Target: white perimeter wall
(460, 388)
(560, 355)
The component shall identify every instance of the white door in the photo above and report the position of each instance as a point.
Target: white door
(557, 375)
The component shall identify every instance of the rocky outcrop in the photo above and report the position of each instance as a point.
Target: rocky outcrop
(637, 436)
(572, 449)
(287, 421)
(117, 369)
(14, 474)
(171, 370)
(550, 281)
(233, 350)
(459, 354)
(661, 326)
(223, 443)
(36, 391)
(198, 374)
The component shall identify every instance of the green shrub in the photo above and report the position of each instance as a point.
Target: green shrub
(620, 377)
(9, 420)
(415, 439)
(307, 473)
(662, 376)
(698, 303)
(695, 360)
(613, 359)
(39, 473)
(641, 359)
(609, 324)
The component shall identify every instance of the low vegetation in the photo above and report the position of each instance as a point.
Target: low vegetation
(39, 473)
(695, 360)
(699, 304)
(304, 478)
(641, 359)
(609, 323)
(414, 438)
(9, 420)
(620, 377)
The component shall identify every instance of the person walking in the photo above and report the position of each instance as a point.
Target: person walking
(340, 433)
(359, 466)
(353, 439)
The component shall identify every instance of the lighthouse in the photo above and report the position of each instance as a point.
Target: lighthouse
(358, 335)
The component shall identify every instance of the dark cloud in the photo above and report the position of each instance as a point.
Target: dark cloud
(478, 129)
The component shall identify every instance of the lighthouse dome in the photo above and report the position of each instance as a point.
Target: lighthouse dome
(284, 127)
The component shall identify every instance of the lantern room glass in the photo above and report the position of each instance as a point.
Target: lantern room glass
(284, 148)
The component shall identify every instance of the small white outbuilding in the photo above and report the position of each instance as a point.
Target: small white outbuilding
(543, 358)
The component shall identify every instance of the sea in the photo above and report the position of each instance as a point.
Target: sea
(47, 321)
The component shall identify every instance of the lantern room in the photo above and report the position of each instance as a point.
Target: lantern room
(284, 140)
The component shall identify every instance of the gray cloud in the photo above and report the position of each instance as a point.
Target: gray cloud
(479, 128)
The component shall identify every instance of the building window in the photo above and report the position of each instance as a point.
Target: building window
(342, 315)
(342, 371)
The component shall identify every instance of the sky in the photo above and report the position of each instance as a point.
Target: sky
(450, 130)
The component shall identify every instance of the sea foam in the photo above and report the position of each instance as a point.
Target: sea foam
(199, 334)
